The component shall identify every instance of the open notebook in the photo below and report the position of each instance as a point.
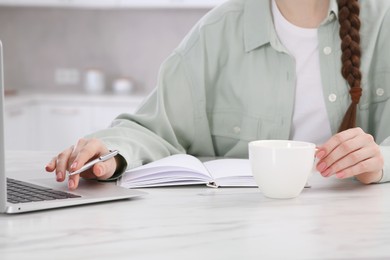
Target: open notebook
(184, 169)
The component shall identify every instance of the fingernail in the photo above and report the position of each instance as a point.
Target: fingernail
(340, 175)
(326, 173)
(99, 172)
(321, 167)
(71, 184)
(60, 176)
(73, 166)
(320, 155)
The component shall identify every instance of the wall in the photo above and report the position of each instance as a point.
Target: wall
(121, 42)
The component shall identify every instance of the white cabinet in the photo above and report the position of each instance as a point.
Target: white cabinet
(52, 123)
(95, 3)
(35, 2)
(61, 125)
(116, 3)
(20, 130)
(171, 3)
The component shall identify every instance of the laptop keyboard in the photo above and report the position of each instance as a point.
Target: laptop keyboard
(21, 192)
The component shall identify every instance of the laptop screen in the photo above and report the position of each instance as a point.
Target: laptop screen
(3, 180)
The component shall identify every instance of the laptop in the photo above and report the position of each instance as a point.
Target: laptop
(39, 193)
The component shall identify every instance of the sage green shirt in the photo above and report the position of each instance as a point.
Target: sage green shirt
(231, 81)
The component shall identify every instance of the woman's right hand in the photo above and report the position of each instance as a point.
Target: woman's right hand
(75, 157)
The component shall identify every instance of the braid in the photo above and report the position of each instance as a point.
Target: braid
(350, 58)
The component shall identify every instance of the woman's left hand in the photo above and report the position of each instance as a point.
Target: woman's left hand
(351, 153)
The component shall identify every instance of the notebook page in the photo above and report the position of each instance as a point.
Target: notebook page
(175, 168)
(231, 172)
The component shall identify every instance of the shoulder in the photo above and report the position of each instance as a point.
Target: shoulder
(218, 21)
(222, 11)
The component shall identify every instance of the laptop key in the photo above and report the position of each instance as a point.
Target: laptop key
(20, 192)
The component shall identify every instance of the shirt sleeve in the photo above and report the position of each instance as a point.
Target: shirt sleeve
(385, 149)
(163, 125)
(381, 115)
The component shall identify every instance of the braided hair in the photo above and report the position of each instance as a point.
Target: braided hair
(351, 53)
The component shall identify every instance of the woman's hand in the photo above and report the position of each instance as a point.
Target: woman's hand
(351, 153)
(76, 156)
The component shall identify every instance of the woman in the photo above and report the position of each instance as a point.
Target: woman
(263, 69)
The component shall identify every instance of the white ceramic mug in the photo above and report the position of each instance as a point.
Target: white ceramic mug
(281, 168)
(94, 81)
(123, 86)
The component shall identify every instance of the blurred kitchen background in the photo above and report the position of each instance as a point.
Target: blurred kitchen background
(50, 46)
(41, 42)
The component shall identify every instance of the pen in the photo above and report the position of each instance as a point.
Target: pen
(88, 165)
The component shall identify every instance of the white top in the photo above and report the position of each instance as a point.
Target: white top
(310, 118)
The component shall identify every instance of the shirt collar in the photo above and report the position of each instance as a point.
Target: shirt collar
(259, 28)
(258, 21)
(333, 8)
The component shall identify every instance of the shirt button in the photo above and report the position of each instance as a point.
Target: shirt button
(327, 50)
(236, 130)
(332, 97)
(331, 17)
(380, 92)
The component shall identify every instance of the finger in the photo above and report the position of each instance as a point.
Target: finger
(345, 163)
(104, 170)
(88, 174)
(336, 140)
(62, 164)
(86, 151)
(344, 150)
(75, 151)
(51, 166)
(100, 171)
(72, 155)
(365, 166)
(73, 181)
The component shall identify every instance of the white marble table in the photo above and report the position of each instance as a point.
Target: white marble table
(332, 220)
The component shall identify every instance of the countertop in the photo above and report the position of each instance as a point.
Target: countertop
(32, 97)
(335, 219)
